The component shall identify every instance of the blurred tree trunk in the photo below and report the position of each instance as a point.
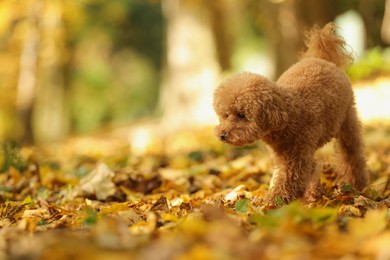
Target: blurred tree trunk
(40, 86)
(372, 12)
(385, 31)
(191, 68)
(285, 23)
(27, 79)
(50, 122)
(222, 16)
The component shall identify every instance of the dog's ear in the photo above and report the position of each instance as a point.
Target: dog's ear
(274, 116)
(273, 112)
(266, 107)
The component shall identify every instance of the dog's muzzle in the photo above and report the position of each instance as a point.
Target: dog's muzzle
(223, 136)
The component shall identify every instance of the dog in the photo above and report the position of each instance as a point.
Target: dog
(310, 104)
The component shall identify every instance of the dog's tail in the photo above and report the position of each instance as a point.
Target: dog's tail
(326, 44)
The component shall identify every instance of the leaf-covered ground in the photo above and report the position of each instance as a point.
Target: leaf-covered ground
(185, 196)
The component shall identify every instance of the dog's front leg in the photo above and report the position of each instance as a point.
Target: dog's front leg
(291, 177)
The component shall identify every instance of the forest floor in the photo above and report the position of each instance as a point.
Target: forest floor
(183, 196)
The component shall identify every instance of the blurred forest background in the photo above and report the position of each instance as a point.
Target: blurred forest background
(71, 67)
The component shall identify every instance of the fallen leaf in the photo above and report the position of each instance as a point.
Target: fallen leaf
(98, 182)
(242, 206)
(161, 205)
(12, 211)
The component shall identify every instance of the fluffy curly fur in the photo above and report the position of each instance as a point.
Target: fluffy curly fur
(311, 103)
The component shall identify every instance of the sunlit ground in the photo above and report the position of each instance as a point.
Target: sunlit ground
(373, 100)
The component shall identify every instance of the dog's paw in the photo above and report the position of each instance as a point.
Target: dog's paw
(312, 196)
(313, 193)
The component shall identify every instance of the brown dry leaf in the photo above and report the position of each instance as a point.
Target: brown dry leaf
(98, 182)
(350, 210)
(161, 205)
(54, 212)
(11, 211)
(365, 202)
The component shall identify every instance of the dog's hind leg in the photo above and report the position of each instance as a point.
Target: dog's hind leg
(353, 169)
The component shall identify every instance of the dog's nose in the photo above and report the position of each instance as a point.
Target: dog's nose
(223, 136)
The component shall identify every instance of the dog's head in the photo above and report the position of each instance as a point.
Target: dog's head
(249, 107)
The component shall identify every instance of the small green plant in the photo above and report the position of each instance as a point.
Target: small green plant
(10, 157)
(279, 201)
(346, 188)
(91, 217)
(242, 206)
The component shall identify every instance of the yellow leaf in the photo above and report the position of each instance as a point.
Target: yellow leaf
(28, 201)
(12, 210)
(114, 208)
(144, 227)
(169, 217)
(378, 246)
(372, 224)
(29, 224)
(198, 251)
(193, 226)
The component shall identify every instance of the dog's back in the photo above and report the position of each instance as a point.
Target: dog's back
(318, 78)
(321, 94)
(319, 89)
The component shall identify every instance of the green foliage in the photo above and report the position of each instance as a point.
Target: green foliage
(91, 217)
(374, 62)
(103, 65)
(117, 55)
(279, 201)
(297, 214)
(346, 188)
(10, 157)
(196, 156)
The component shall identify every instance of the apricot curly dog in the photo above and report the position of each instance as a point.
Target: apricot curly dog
(311, 103)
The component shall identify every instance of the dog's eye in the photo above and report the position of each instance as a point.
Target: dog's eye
(226, 115)
(241, 115)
